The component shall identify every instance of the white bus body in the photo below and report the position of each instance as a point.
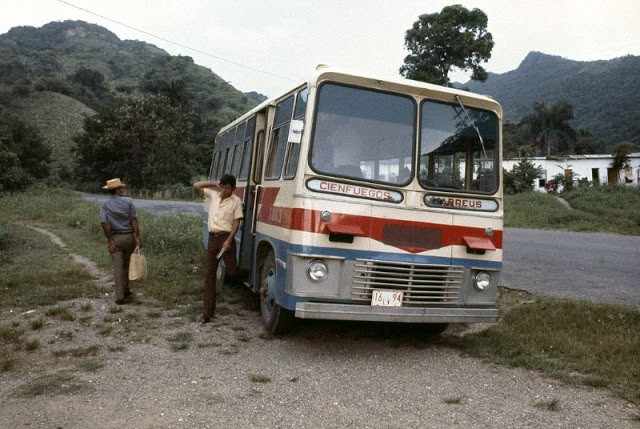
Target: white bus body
(369, 199)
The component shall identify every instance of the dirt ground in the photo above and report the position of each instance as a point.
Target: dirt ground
(145, 366)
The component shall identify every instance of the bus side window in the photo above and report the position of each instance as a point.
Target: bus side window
(244, 161)
(257, 173)
(276, 152)
(235, 159)
(247, 147)
(292, 160)
(212, 169)
(293, 153)
(279, 137)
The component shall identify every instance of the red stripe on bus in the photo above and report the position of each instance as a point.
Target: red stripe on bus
(299, 219)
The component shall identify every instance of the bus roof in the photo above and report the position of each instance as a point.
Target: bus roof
(392, 83)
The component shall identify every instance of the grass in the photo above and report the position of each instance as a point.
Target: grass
(52, 384)
(259, 378)
(36, 324)
(30, 260)
(61, 313)
(550, 405)
(579, 342)
(172, 245)
(37, 276)
(80, 352)
(619, 206)
(90, 364)
(180, 341)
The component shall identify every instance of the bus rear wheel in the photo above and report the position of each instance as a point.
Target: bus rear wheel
(275, 319)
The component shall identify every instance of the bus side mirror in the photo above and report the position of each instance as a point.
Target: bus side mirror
(295, 131)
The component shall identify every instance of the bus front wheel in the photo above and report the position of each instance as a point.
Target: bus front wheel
(274, 318)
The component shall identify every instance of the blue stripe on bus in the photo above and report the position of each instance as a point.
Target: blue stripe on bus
(282, 247)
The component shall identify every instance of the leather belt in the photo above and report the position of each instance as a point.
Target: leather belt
(219, 233)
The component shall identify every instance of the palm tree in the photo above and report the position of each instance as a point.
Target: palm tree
(549, 126)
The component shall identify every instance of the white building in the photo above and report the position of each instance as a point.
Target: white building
(593, 168)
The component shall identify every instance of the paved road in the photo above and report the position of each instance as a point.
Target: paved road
(586, 266)
(155, 206)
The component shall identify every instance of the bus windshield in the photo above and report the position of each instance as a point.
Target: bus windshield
(364, 135)
(368, 135)
(458, 148)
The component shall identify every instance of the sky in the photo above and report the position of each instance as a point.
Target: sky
(269, 46)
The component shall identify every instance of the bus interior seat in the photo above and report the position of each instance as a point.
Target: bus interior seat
(352, 170)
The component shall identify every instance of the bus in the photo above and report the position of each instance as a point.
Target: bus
(369, 199)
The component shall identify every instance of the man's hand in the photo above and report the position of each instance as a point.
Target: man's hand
(200, 186)
(111, 246)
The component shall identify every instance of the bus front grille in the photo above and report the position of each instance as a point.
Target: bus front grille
(421, 284)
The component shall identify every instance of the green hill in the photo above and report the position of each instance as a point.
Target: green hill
(58, 118)
(605, 95)
(55, 75)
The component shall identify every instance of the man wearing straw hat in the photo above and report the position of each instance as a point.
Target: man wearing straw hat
(119, 221)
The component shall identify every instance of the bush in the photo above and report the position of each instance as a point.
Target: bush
(24, 156)
(521, 177)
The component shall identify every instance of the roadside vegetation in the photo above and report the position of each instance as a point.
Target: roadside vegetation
(578, 342)
(609, 209)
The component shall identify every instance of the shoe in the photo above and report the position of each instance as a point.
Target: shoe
(127, 293)
(205, 320)
(119, 301)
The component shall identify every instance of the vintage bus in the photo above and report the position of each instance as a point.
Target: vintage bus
(369, 199)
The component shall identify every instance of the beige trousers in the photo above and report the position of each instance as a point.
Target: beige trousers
(126, 244)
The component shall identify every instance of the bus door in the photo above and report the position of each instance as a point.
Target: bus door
(251, 194)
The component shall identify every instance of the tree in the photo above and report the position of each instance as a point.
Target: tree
(24, 157)
(516, 141)
(549, 126)
(148, 142)
(586, 143)
(437, 42)
(92, 79)
(621, 160)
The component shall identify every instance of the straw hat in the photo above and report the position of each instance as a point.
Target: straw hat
(114, 184)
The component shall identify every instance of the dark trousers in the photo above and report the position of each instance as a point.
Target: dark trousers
(211, 267)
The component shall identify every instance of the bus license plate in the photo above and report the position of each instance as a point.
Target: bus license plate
(386, 298)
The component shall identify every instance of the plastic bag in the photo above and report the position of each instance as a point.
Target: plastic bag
(137, 266)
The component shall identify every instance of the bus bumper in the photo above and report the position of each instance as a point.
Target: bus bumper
(331, 311)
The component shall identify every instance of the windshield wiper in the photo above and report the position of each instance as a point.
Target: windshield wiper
(484, 152)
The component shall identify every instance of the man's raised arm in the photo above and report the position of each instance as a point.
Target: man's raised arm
(200, 186)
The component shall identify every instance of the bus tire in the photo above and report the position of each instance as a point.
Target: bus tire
(275, 319)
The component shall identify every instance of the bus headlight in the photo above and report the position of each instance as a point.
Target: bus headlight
(317, 271)
(482, 280)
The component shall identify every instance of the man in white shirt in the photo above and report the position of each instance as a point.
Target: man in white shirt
(225, 214)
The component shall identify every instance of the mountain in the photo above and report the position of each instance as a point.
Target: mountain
(54, 76)
(605, 95)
